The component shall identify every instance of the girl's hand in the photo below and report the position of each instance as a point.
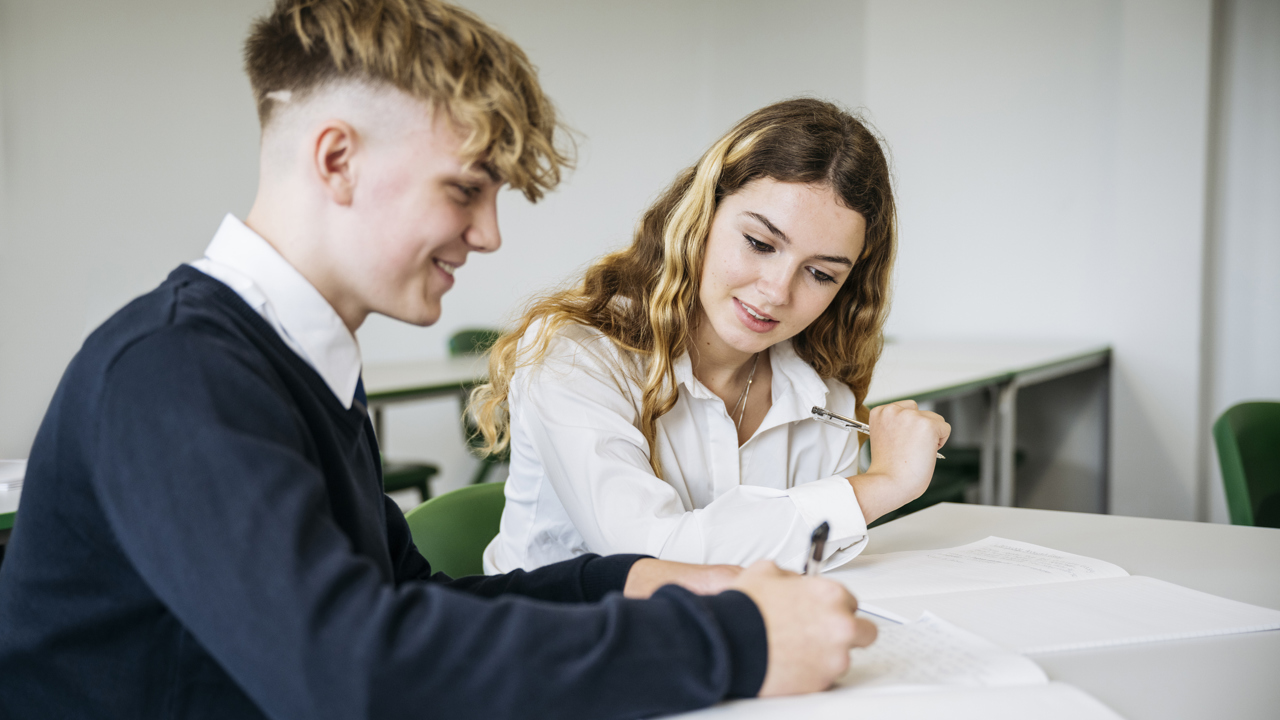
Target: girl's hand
(903, 442)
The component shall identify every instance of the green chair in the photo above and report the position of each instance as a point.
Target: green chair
(1248, 440)
(476, 341)
(451, 531)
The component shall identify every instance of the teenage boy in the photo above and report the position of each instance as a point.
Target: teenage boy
(203, 532)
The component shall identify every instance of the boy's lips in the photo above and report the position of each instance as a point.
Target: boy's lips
(449, 267)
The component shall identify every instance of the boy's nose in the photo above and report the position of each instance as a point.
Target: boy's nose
(483, 235)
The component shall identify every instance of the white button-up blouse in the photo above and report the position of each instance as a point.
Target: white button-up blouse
(580, 479)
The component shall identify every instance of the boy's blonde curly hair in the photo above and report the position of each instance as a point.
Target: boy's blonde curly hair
(437, 52)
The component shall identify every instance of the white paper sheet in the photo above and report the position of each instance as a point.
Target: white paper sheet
(1090, 613)
(1054, 701)
(932, 651)
(990, 563)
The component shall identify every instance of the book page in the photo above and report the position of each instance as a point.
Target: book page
(1092, 613)
(1052, 701)
(990, 563)
(933, 652)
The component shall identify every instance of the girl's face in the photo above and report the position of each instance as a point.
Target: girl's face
(776, 256)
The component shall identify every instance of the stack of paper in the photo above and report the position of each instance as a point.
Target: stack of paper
(1032, 599)
(930, 668)
(956, 626)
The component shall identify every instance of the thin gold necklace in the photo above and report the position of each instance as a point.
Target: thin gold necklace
(742, 399)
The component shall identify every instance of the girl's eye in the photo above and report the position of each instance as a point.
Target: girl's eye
(757, 246)
(821, 276)
(468, 192)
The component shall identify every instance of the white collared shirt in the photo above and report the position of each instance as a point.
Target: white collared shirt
(241, 259)
(580, 478)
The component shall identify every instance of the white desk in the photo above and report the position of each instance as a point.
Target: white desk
(1226, 677)
(916, 369)
(924, 370)
(1231, 677)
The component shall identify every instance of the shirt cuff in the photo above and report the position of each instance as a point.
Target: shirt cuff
(603, 575)
(832, 500)
(748, 645)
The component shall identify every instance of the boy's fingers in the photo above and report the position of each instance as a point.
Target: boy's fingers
(866, 632)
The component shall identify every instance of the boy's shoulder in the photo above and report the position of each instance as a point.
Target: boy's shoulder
(188, 302)
(189, 319)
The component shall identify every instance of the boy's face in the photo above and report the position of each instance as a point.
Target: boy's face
(416, 210)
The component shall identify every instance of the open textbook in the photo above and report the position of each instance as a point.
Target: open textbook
(930, 668)
(1032, 599)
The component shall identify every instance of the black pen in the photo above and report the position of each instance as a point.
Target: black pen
(813, 563)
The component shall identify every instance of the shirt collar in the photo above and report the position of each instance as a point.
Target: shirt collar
(306, 321)
(796, 386)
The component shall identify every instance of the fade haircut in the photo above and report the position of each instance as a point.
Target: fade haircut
(430, 50)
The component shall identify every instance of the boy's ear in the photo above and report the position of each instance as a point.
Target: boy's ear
(334, 160)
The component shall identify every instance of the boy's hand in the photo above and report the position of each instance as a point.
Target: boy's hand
(810, 624)
(904, 440)
(649, 574)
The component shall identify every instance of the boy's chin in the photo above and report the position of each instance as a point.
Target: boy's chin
(422, 315)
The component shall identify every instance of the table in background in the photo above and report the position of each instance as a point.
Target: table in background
(11, 472)
(923, 370)
(930, 370)
(8, 508)
(392, 383)
(1231, 676)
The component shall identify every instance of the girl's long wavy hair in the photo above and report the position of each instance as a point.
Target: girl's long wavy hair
(645, 298)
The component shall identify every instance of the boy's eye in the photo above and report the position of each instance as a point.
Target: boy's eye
(756, 245)
(468, 191)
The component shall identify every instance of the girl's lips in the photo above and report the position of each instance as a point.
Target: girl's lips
(754, 324)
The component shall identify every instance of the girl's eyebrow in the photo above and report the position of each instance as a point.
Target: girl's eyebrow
(768, 225)
(837, 259)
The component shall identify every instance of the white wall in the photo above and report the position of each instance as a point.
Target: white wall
(128, 130)
(1051, 166)
(1050, 158)
(1244, 237)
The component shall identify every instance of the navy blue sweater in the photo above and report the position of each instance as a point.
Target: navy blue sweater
(203, 533)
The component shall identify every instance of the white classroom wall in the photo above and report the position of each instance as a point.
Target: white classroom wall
(1243, 343)
(1051, 163)
(1051, 160)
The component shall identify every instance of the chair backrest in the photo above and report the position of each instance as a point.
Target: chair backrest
(474, 341)
(451, 531)
(1248, 440)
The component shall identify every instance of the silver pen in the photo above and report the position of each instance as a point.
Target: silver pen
(841, 421)
(817, 541)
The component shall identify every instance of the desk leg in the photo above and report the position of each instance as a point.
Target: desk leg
(1008, 411)
(377, 423)
(987, 462)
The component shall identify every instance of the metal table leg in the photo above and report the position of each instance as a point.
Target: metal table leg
(987, 462)
(1008, 413)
